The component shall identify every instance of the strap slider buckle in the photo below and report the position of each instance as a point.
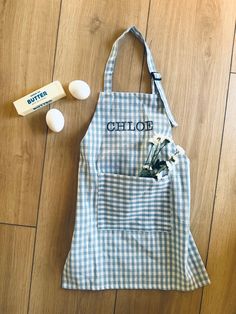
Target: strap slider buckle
(156, 76)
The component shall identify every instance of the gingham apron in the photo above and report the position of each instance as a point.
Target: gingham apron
(131, 232)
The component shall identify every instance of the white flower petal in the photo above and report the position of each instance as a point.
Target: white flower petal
(180, 149)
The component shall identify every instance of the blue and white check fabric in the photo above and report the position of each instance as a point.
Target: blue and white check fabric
(131, 232)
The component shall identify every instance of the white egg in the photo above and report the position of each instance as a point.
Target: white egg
(55, 120)
(79, 89)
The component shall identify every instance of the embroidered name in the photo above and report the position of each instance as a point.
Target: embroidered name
(130, 126)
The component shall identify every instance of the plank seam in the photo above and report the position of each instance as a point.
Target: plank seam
(141, 78)
(44, 157)
(219, 162)
(234, 52)
(17, 225)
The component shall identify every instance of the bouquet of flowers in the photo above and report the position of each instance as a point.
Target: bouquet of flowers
(153, 166)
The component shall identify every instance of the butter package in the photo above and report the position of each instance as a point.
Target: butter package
(39, 98)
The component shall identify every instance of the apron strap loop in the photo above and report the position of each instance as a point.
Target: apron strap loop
(155, 76)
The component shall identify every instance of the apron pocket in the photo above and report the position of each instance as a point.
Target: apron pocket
(133, 203)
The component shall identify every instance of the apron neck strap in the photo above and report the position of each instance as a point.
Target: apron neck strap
(110, 66)
(155, 76)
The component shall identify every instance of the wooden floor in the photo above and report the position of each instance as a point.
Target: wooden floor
(192, 42)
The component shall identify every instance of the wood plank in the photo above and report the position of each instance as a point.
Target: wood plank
(233, 67)
(86, 35)
(16, 245)
(26, 53)
(222, 253)
(185, 38)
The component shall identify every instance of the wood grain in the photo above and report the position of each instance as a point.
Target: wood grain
(185, 44)
(26, 54)
(86, 34)
(195, 76)
(16, 245)
(220, 297)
